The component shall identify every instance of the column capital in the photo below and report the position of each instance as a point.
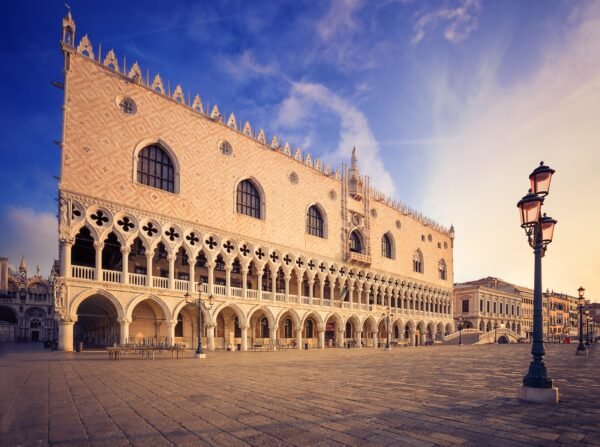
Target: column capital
(171, 323)
(98, 245)
(125, 250)
(67, 240)
(125, 321)
(149, 254)
(171, 258)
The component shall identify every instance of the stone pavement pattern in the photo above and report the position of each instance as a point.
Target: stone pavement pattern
(442, 396)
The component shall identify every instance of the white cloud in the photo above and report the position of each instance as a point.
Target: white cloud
(500, 135)
(245, 65)
(307, 100)
(32, 234)
(457, 22)
(338, 19)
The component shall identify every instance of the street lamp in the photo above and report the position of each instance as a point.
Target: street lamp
(587, 327)
(460, 328)
(199, 304)
(581, 348)
(537, 385)
(495, 332)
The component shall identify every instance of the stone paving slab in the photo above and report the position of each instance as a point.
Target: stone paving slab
(426, 396)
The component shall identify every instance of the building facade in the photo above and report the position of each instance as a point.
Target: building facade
(484, 305)
(26, 305)
(559, 323)
(157, 194)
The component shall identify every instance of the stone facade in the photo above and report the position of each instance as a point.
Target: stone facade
(483, 305)
(26, 305)
(130, 253)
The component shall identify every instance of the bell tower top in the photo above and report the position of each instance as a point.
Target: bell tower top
(68, 28)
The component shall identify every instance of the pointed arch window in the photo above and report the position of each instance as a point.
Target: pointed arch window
(314, 222)
(155, 168)
(442, 269)
(355, 242)
(179, 326)
(386, 247)
(248, 199)
(418, 261)
(264, 327)
(287, 328)
(237, 330)
(308, 329)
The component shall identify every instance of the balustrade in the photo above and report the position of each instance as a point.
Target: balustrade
(81, 272)
(219, 290)
(136, 279)
(161, 283)
(181, 285)
(111, 276)
(236, 291)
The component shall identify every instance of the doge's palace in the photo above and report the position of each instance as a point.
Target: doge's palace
(161, 197)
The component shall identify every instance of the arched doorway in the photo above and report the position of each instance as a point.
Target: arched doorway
(8, 324)
(331, 329)
(97, 324)
(148, 324)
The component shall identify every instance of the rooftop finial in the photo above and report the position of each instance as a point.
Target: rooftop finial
(353, 160)
(23, 266)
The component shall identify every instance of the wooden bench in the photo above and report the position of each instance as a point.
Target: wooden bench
(115, 353)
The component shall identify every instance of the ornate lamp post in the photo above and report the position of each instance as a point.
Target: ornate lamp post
(537, 385)
(460, 328)
(495, 332)
(581, 348)
(587, 327)
(199, 304)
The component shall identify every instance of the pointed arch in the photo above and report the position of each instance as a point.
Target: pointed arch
(356, 241)
(418, 262)
(442, 269)
(316, 221)
(151, 154)
(143, 297)
(388, 246)
(249, 198)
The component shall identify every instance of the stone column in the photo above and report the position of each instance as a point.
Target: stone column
(322, 338)
(340, 338)
(98, 246)
(244, 330)
(245, 282)
(171, 332)
(299, 283)
(332, 290)
(228, 280)
(65, 335)
(311, 291)
(375, 337)
(321, 289)
(287, 278)
(149, 256)
(274, 271)
(125, 330)
(211, 276)
(66, 247)
(210, 336)
(358, 339)
(299, 338)
(171, 259)
(273, 334)
(259, 283)
(192, 275)
(125, 271)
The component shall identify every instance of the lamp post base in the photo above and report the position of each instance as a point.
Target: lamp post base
(200, 356)
(581, 352)
(388, 348)
(538, 395)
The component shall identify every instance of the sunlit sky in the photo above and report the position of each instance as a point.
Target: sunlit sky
(451, 104)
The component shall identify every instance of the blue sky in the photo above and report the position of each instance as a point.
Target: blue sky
(446, 101)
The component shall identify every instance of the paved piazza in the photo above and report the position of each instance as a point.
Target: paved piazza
(425, 396)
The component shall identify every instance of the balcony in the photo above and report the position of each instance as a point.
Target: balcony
(359, 258)
(179, 286)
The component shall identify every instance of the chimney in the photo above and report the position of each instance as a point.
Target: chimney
(3, 275)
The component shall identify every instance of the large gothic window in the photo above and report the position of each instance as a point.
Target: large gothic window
(355, 243)
(264, 327)
(287, 328)
(308, 329)
(442, 269)
(155, 168)
(248, 199)
(386, 246)
(418, 261)
(314, 223)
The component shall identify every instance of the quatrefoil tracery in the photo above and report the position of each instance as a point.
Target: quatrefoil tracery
(126, 224)
(244, 250)
(192, 238)
(211, 243)
(228, 246)
(99, 217)
(172, 234)
(150, 229)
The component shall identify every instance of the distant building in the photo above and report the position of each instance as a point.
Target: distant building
(560, 321)
(26, 305)
(489, 303)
